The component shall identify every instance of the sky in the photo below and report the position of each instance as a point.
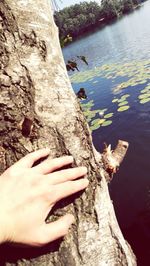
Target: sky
(65, 3)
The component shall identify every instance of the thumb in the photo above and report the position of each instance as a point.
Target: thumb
(57, 229)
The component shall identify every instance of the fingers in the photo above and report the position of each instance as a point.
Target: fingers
(48, 166)
(68, 188)
(66, 175)
(55, 230)
(32, 157)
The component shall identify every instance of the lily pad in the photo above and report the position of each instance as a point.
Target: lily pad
(145, 90)
(125, 96)
(123, 108)
(90, 116)
(88, 120)
(123, 103)
(98, 121)
(94, 127)
(115, 100)
(101, 112)
(107, 123)
(101, 121)
(145, 95)
(121, 100)
(108, 115)
(95, 121)
(145, 100)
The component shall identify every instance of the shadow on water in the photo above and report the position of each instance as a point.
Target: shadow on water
(138, 235)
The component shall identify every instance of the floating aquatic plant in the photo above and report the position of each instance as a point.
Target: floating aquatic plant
(94, 127)
(132, 73)
(90, 114)
(101, 112)
(145, 90)
(145, 100)
(144, 97)
(123, 108)
(114, 100)
(87, 105)
(126, 96)
(108, 115)
(123, 103)
(98, 121)
(95, 124)
(107, 123)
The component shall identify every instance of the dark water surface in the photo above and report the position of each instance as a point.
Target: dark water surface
(119, 64)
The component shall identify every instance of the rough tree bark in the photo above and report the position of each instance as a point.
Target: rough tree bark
(39, 109)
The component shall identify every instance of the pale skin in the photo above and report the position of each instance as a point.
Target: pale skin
(27, 194)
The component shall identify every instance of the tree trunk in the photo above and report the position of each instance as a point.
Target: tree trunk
(39, 109)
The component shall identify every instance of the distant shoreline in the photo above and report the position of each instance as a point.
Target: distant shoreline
(74, 21)
(104, 24)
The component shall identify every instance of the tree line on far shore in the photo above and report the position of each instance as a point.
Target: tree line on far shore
(82, 17)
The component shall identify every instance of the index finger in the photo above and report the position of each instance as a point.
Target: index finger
(50, 165)
(29, 159)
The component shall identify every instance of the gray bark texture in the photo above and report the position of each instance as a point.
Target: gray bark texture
(38, 108)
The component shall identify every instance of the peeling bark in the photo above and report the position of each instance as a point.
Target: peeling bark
(38, 108)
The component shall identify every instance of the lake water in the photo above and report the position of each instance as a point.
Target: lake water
(117, 83)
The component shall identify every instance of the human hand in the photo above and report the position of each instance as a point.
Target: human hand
(27, 194)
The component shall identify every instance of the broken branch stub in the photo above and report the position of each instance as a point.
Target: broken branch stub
(113, 158)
